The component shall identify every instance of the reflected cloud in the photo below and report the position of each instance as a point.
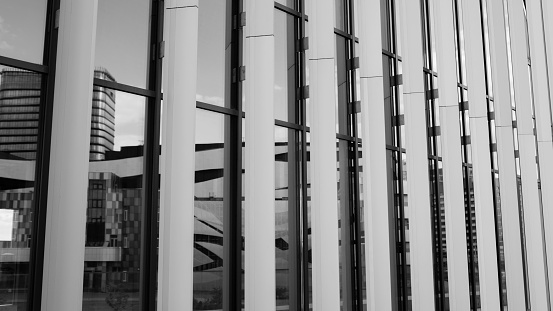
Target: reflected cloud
(4, 32)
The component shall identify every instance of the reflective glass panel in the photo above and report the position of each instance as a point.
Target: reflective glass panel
(342, 91)
(214, 53)
(285, 107)
(211, 199)
(115, 205)
(122, 40)
(22, 28)
(20, 103)
(340, 14)
(287, 217)
(345, 204)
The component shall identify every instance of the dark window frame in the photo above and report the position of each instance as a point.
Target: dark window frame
(435, 162)
(302, 279)
(353, 251)
(401, 282)
(48, 72)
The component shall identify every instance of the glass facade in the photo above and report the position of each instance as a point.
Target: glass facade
(292, 159)
(467, 160)
(218, 271)
(26, 85)
(516, 148)
(494, 159)
(125, 162)
(353, 288)
(396, 152)
(435, 161)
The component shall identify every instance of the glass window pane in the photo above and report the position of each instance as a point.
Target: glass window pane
(345, 205)
(211, 201)
(122, 40)
(20, 104)
(115, 213)
(340, 9)
(22, 28)
(285, 68)
(214, 53)
(342, 91)
(386, 25)
(287, 211)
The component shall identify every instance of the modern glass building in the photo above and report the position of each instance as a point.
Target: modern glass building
(333, 155)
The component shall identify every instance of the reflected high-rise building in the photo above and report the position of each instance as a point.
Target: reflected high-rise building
(19, 114)
(103, 117)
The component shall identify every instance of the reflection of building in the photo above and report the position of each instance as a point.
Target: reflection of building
(102, 132)
(19, 114)
(298, 225)
(113, 220)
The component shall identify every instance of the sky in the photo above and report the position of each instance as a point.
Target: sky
(22, 38)
(121, 47)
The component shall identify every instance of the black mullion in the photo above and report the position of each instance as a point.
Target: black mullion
(234, 225)
(217, 109)
(400, 168)
(357, 198)
(16, 63)
(126, 88)
(298, 166)
(495, 186)
(152, 150)
(344, 34)
(467, 182)
(289, 125)
(436, 177)
(434, 174)
(468, 212)
(303, 114)
(288, 10)
(344, 137)
(34, 298)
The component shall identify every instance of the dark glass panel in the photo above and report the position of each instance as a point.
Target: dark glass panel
(123, 40)
(287, 217)
(214, 53)
(22, 25)
(286, 84)
(345, 205)
(115, 204)
(307, 231)
(362, 230)
(20, 105)
(389, 105)
(386, 22)
(406, 235)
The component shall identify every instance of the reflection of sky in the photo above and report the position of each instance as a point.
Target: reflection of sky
(22, 25)
(122, 37)
(6, 224)
(129, 120)
(211, 52)
(209, 127)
